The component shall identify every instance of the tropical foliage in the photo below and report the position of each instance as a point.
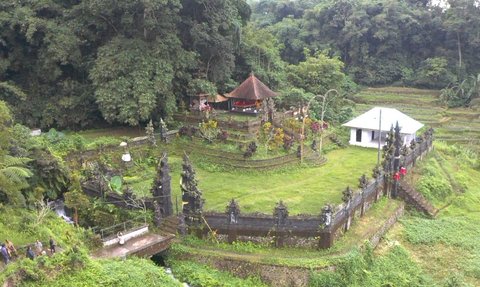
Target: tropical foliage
(130, 61)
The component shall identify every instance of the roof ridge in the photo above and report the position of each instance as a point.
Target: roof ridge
(254, 85)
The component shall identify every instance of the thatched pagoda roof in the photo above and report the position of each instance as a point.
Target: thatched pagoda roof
(251, 89)
(213, 98)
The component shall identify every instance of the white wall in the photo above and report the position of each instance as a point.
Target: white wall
(127, 236)
(367, 138)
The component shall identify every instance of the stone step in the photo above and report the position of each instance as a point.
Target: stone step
(422, 203)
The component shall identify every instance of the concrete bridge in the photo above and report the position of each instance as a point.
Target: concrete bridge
(145, 245)
(138, 241)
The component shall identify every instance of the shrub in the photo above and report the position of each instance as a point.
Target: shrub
(315, 127)
(208, 130)
(434, 187)
(223, 135)
(287, 142)
(277, 138)
(251, 149)
(204, 276)
(187, 131)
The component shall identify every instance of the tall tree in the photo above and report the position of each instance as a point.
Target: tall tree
(13, 170)
(213, 29)
(259, 53)
(317, 74)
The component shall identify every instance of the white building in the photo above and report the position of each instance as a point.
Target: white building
(364, 129)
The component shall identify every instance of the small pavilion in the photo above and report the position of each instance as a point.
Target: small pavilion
(201, 102)
(248, 96)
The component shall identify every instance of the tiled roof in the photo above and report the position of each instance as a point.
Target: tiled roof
(251, 89)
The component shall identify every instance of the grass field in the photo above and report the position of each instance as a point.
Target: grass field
(459, 125)
(305, 189)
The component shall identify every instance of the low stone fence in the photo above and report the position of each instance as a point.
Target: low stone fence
(237, 161)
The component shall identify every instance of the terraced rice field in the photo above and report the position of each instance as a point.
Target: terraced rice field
(458, 125)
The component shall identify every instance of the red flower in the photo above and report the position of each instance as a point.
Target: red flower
(396, 176)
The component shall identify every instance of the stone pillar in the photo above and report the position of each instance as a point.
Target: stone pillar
(326, 239)
(348, 222)
(326, 220)
(362, 208)
(280, 215)
(233, 214)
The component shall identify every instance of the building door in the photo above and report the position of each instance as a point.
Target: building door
(359, 135)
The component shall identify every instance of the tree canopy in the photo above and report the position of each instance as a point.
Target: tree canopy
(72, 64)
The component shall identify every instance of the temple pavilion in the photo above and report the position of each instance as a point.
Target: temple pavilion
(202, 102)
(249, 95)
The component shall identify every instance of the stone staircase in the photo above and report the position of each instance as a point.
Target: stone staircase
(416, 199)
(169, 225)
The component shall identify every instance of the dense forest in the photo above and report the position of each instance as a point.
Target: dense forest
(75, 63)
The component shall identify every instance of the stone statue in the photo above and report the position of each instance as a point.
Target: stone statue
(163, 130)
(157, 214)
(192, 200)
(314, 146)
(363, 182)
(347, 195)
(376, 172)
(326, 216)
(161, 189)
(150, 131)
(233, 211)
(280, 213)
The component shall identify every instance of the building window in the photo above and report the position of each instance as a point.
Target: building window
(373, 135)
(359, 135)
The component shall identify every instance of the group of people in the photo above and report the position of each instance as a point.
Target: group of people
(9, 251)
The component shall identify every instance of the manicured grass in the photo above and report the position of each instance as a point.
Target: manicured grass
(303, 189)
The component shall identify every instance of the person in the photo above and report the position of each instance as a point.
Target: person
(121, 240)
(12, 251)
(38, 247)
(30, 253)
(52, 245)
(4, 251)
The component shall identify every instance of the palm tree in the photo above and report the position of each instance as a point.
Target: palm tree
(13, 178)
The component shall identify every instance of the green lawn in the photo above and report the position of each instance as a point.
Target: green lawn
(305, 189)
